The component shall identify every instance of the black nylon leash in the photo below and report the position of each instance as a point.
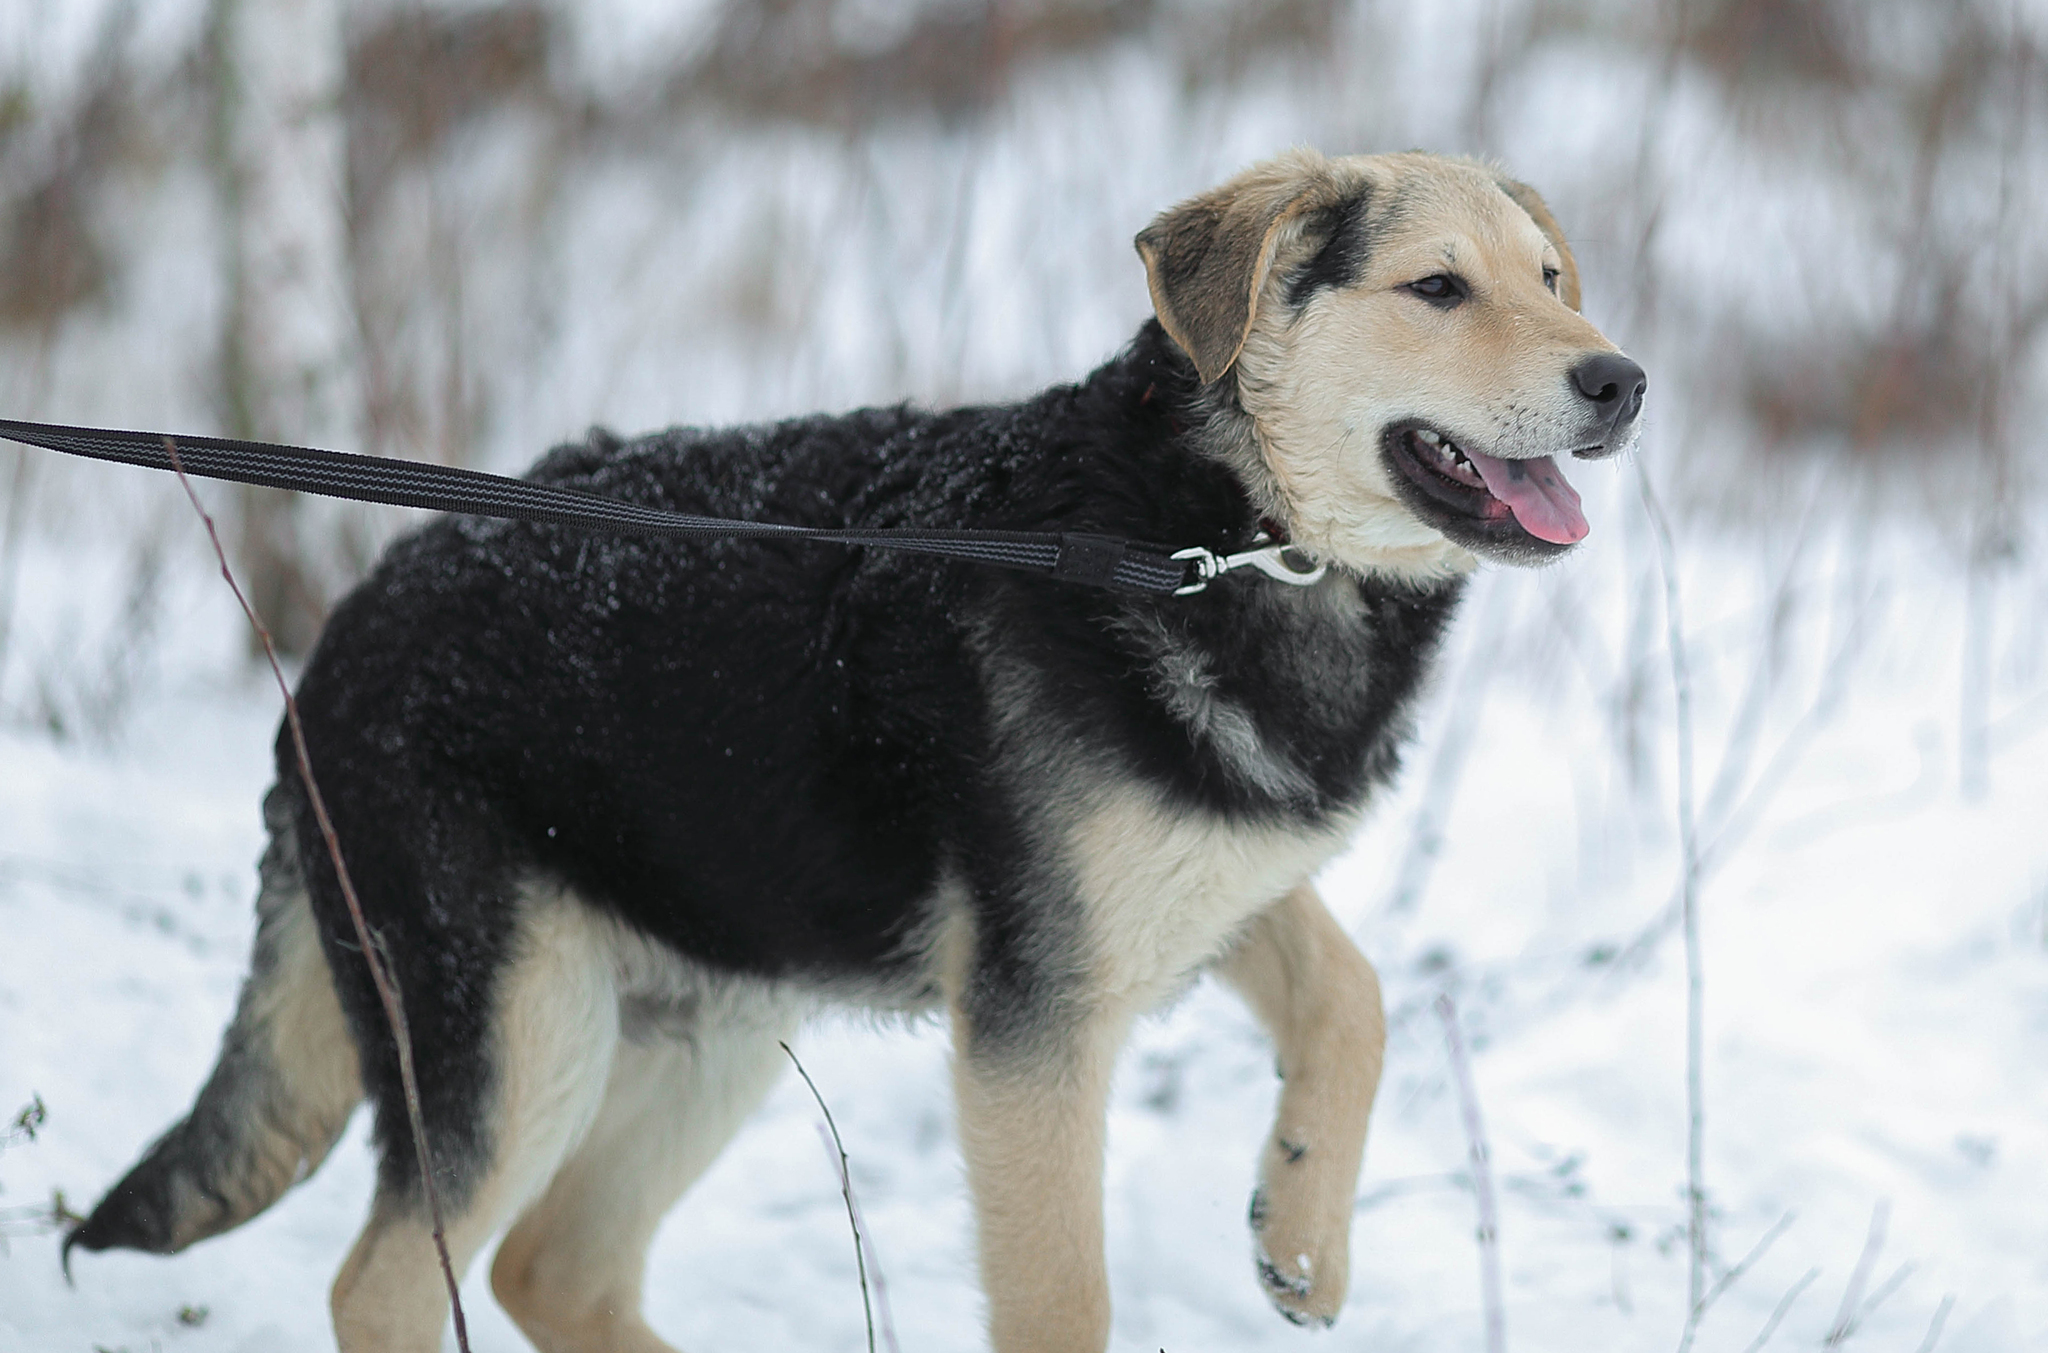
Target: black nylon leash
(1101, 561)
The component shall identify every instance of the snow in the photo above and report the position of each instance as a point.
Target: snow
(1875, 917)
(1876, 960)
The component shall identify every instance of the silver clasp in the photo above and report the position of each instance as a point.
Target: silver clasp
(1280, 562)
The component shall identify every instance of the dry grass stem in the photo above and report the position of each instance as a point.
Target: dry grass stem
(1738, 751)
(864, 1233)
(1779, 1312)
(1730, 1278)
(13, 531)
(372, 947)
(1850, 1314)
(860, 1247)
(1689, 909)
(1880, 1293)
(1934, 1326)
(1447, 769)
(24, 1125)
(1481, 1156)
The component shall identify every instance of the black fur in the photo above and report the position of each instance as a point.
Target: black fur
(768, 755)
(1346, 232)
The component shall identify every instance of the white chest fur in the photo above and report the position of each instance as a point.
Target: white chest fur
(1163, 889)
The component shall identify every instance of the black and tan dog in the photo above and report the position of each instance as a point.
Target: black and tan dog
(626, 811)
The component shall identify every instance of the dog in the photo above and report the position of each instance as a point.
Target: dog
(623, 812)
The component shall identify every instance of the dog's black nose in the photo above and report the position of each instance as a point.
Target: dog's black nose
(1614, 383)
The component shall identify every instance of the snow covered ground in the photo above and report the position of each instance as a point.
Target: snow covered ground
(1872, 725)
(1876, 977)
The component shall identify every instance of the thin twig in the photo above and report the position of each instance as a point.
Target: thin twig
(1719, 839)
(860, 1256)
(1410, 1184)
(1784, 1305)
(13, 529)
(1740, 817)
(1948, 1303)
(1883, 1290)
(24, 1125)
(1729, 1279)
(1850, 1313)
(1738, 752)
(1440, 790)
(1482, 1179)
(387, 992)
(1992, 528)
(1689, 909)
(867, 1237)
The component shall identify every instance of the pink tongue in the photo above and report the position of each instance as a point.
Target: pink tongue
(1536, 492)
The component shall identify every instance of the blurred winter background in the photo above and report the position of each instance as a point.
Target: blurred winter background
(462, 231)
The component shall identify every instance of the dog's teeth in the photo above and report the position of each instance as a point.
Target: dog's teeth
(1449, 455)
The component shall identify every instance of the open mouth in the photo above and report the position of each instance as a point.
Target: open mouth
(1478, 499)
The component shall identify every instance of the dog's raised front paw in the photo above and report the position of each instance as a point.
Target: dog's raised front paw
(1289, 1270)
(1291, 1286)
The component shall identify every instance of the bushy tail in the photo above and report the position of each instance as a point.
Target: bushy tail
(278, 1098)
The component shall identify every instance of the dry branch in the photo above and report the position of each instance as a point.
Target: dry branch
(1689, 911)
(13, 529)
(1850, 1314)
(1481, 1155)
(24, 1125)
(1729, 1279)
(1948, 1303)
(1779, 1312)
(1884, 1290)
(372, 946)
(860, 1244)
(1464, 707)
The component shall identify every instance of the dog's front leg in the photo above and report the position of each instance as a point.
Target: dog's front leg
(1031, 1129)
(1320, 1000)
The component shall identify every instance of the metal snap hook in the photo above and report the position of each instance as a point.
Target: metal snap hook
(1278, 561)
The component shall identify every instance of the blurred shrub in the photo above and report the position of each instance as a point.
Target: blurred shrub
(1809, 217)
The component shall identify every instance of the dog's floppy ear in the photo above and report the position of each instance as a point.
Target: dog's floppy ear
(1530, 201)
(1206, 259)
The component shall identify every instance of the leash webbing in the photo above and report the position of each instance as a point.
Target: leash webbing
(1103, 561)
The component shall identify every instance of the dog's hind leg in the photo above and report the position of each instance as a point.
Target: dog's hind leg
(1320, 1000)
(570, 1272)
(554, 1027)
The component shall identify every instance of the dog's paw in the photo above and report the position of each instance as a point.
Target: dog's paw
(1288, 1272)
(1301, 1237)
(1290, 1284)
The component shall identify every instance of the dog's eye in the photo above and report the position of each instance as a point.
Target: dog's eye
(1440, 289)
(1550, 279)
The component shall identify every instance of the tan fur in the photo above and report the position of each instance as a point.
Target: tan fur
(1320, 386)
(621, 1074)
(290, 1075)
(1032, 1138)
(1206, 260)
(598, 1131)
(306, 1026)
(1320, 1001)
(554, 1044)
(295, 1009)
(1529, 200)
(1163, 890)
(570, 1272)
(1161, 894)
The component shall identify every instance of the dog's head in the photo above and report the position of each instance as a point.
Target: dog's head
(1403, 331)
